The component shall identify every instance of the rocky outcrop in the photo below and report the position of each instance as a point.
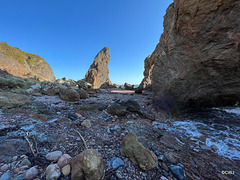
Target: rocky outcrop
(197, 61)
(98, 71)
(23, 64)
(129, 86)
(11, 100)
(148, 67)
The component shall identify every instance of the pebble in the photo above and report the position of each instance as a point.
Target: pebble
(163, 178)
(16, 171)
(78, 115)
(170, 158)
(4, 167)
(116, 162)
(64, 160)
(52, 172)
(31, 173)
(214, 148)
(6, 176)
(178, 172)
(86, 123)
(25, 162)
(54, 156)
(14, 158)
(66, 170)
(19, 177)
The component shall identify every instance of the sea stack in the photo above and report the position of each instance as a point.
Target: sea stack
(197, 61)
(23, 64)
(98, 71)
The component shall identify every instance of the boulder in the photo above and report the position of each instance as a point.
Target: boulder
(35, 90)
(137, 153)
(87, 165)
(82, 84)
(11, 100)
(117, 109)
(197, 61)
(23, 64)
(108, 85)
(82, 93)
(98, 71)
(50, 88)
(120, 108)
(69, 94)
(129, 86)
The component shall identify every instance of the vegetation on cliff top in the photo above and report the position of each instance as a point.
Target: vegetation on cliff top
(19, 55)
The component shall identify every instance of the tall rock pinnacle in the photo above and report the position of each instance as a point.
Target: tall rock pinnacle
(98, 71)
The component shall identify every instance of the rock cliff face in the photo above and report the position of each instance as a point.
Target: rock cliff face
(197, 61)
(148, 67)
(98, 71)
(23, 64)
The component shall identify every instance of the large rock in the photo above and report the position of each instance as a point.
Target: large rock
(148, 67)
(129, 86)
(69, 94)
(137, 153)
(88, 165)
(23, 64)
(50, 88)
(98, 71)
(197, 61)
(11, 100)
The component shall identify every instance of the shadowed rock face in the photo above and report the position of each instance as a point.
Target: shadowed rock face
(98, 71)
(148, 67)
(23, 64)
(197, 61)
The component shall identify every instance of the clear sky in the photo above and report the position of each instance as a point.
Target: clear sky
(68, 34)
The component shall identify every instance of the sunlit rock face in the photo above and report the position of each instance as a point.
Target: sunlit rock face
(98, 71)
(23, 64)
(197, 61)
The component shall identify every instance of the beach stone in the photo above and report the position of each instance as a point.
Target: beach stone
(82, 84)
(64, 160)
(50, 88)
(170, 158)
(34, 90)
(137, 153)
(66, 170)
(178, 172)
(89, 165)
(4, 167)
(19, 177)
(78, 115)
(54, 156)
(31, 173)
(15, 158)
(6, 176)
(86, 123)
(52, 172)
(25, 162)
(115, 162)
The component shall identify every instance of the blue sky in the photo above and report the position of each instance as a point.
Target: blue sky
(68, 34)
